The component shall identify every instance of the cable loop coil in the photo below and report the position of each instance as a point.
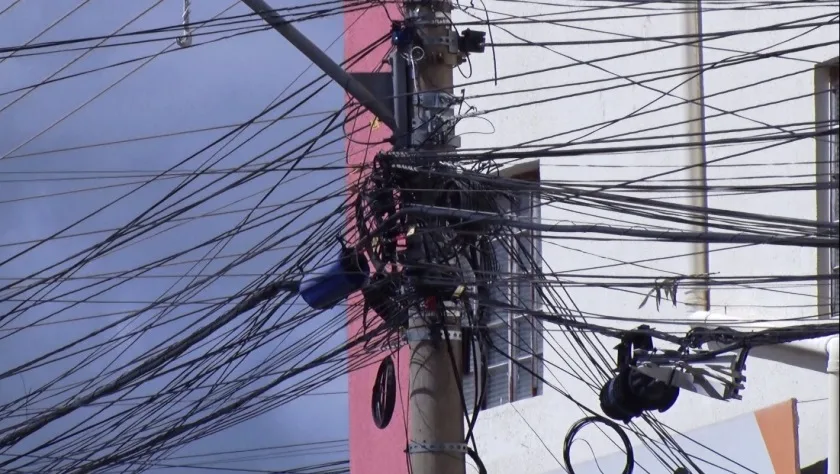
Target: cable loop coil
(570, 438)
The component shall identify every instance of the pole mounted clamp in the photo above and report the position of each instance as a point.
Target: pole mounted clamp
(418, 447)
(720, 376)
(435, 100)
(449, 42)
(426, 334)
(444, 6)
(436, 129)
(427, 18)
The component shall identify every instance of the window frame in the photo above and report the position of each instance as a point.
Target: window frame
(526, 171)
(826, 101)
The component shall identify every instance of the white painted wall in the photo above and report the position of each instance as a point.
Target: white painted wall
(733, 439)
(527, 437)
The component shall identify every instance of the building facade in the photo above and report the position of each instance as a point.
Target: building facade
(619, 75)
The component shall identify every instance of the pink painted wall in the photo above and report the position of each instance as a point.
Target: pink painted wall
(372, 451)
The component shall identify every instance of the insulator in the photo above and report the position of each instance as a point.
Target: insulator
(338, 281)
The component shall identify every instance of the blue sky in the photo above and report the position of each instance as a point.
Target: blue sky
(212, 85)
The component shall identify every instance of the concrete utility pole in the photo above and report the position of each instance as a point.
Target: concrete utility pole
(428, 49)
(436, 421)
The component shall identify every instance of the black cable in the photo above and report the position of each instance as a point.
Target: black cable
(477, 460)
(706, 36)
(200, 372)
(219, 21)
(575, 428)
(430, 156)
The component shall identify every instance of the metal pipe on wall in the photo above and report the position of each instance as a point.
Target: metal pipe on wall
(822, 111)
(697, 298)
(833, 434)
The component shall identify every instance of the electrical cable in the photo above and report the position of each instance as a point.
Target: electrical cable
(580, 424)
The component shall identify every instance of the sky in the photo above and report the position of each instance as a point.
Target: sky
(206, 85)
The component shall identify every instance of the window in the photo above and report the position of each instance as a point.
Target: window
(828, 174)
(834, 195)
(511, 370)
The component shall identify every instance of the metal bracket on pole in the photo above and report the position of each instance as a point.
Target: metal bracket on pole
(426, 334)
(720, 377)
(320, 59)
(380, 85)
(415, 447)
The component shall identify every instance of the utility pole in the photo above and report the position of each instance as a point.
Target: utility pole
(420, 88)
(432, 49)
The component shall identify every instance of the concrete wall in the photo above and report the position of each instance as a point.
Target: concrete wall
(371, 450)
(528, 435)
(766, 438)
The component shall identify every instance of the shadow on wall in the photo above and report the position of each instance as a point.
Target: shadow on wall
(818, 467)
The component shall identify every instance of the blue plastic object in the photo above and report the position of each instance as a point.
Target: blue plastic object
(337, 281)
